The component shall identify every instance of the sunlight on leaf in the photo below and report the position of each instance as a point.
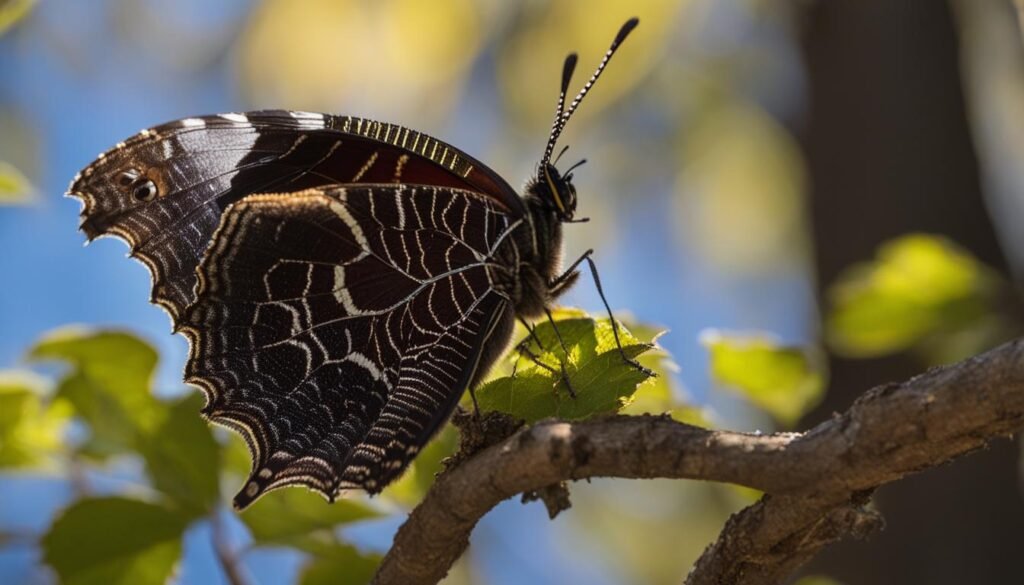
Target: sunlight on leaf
(31, 430)
(112, 541)
(302, 519)
(662, 394)
(603, 381)
(12, 11)
(917, 286)
(341, 565)
(15, 188)
(784, 381)
(108, 385)
(182, 457)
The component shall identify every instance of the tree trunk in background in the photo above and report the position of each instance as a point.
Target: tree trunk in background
(889, 152)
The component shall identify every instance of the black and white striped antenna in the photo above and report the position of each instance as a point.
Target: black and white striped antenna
(562, 115)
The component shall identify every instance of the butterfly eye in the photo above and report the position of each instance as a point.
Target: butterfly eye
(146, 191)
(126, 178)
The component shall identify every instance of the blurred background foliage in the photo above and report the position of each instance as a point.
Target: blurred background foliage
(811, 197)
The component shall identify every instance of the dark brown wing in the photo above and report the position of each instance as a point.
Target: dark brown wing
(164, 190)
(336, 328)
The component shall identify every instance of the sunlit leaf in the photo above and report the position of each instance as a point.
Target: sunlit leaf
(182, 457)
(340, 565)
(12, 11)
(112, 541)
(14, 186)
(784, 381)
(31, 429)
(660, 394)
(602, 380)
(108, 385)
(295, 516)
(917, 286)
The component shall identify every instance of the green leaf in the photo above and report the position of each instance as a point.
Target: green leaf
(340, 565)
(662, 394)
(12, 11)
(15, 188)
(917, 287)
(301, 518)
(110, 541)
(603, 381)
(108, 385)
(31, 429)
(183, 459)
(785, 381)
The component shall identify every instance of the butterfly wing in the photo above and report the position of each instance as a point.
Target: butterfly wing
(336, 328)
(198, 167)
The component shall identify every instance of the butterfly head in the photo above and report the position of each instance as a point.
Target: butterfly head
(557, 191)
(555, 188)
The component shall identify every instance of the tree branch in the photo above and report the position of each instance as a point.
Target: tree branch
(818, 481)
(234, 571)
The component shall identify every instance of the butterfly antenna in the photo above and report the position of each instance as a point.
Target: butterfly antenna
(573, 167)
(556, 126)
(562, 115)
(560, 153)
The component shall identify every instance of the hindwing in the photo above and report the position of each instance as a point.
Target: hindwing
(336, 328)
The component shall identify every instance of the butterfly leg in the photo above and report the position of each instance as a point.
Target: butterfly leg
(532, 335)
(611, 317)
(524, 349)
(568, 278)
(565, 352)
(476, 407)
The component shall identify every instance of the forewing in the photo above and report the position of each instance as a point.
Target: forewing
(336, 328)
(200, 166)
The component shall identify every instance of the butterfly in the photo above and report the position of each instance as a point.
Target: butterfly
(341, 281)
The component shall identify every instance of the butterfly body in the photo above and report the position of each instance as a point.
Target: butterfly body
(341, 281)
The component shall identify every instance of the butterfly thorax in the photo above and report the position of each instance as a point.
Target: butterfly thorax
(535, 251)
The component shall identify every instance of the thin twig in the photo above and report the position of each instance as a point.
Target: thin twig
(227, 556)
